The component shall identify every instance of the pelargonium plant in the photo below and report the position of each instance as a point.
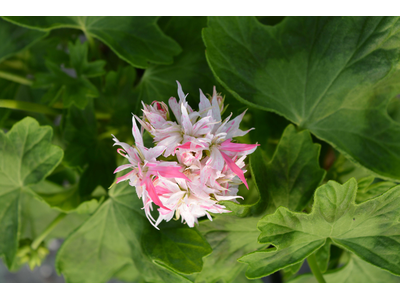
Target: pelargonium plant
(203, 165)
(106, 163)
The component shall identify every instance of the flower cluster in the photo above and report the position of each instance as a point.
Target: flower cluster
(194, 163)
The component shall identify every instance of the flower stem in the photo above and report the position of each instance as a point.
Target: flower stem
(15, 78)
(36, 243)
(312, 262)
(29, 106)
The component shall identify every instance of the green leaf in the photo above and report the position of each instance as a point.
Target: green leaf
(74, 89)
(189, 68)
(230, 237)
(355, 271)
(180, 248)
(369, 230)
(117, 97)
(78, 59)
(292, 175)
(331, 75)
(111, 239)
(26, 157)
(137, 40)
(368, 190)
(87, 151)
(15, 39)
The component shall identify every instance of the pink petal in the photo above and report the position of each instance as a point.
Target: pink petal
(173, 104)
(168, 172)
(125, 177)
(181, 95)
(204, 103)
(153, 194)
(123, 167)
(136, 133)
(231, 164)
(236, 147)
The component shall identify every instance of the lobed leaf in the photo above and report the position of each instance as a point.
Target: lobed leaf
(137, 40)
(369, 230)
(113, 238)
(331, 75)
(26, 158)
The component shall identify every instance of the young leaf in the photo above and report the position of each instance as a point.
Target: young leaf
(331, 75)
(292, 175)
(75, 89)
(137, 40)
(355, 271)
(369, 230)
(14, 38)
(26, 157)
(112, 238)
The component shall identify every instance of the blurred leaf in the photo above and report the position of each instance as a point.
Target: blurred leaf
(26, 157)
(137, 40)
(112, 239)
(355, 271)
(117, 97)
(331, 75)
(85, 148)
(369, 230)
(73, 88)
(15, 38)
(368, 190)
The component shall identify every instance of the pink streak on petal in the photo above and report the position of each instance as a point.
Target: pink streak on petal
(236, 147)
(162, 190)
(153, 194)
(231, 164)
(168, 172)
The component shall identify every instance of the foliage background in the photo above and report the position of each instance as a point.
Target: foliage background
(321, 93)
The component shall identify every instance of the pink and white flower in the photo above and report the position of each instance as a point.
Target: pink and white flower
(204, 165)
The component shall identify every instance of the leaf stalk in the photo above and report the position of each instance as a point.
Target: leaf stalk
(36, 243)
(312, 262)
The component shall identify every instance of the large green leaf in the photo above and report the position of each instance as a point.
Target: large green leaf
(189, 68)
(112, 239)
(292, 175)
(26, 157)
(230, 237)
(370, 230)
(137, 40)
(15, 38)
(355, 271)
(331, 75)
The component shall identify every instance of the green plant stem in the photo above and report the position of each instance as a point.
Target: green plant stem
(35, 244)
(29, 106)
(312, 262)
(43, 109)
(15, 78)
